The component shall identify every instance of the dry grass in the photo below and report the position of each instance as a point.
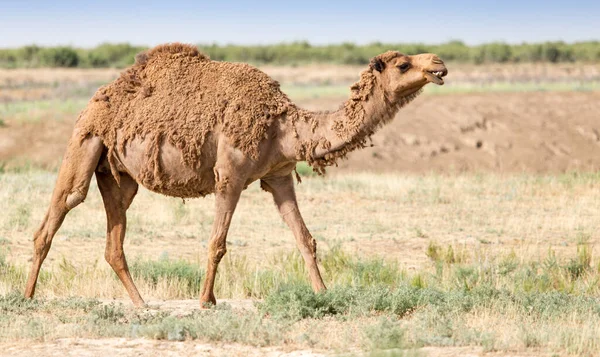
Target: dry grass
(317, 81)
(489, 213)
(504, 263)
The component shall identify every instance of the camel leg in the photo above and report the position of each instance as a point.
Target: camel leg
(116, 201)
(227, 197)
(79, 163)
(284, 196)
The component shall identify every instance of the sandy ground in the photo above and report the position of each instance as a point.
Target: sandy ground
(144, 347)
(147, 347)
(500, 132)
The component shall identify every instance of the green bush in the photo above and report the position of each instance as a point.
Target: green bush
(112, 55)
(122, 54)
(57, 57)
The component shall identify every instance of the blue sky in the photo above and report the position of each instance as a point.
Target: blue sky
(86, 24)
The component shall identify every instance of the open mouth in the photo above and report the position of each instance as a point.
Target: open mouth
(435, 77)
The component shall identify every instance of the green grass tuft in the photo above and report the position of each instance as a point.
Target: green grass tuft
(165, 269)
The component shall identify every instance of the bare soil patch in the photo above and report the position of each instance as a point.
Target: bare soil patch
(499, 132)
(143, 347)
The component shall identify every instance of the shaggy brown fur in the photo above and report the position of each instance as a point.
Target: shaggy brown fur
(351, 127)
(183, 125)
(153, 97)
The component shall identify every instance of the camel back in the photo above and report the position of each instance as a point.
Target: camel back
(175, 93)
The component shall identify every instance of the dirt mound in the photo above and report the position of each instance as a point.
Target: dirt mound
(507, 132)
(503, 132)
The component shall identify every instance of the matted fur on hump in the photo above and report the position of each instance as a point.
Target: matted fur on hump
(175, 93)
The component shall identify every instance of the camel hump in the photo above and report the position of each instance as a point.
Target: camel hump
(169, 49)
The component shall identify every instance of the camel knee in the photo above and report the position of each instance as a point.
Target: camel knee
(114, 258)
(42, 238)
(216, 251)
(74, 198)
(217, 255)
(41, 244)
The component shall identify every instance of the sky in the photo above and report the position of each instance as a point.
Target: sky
(87, 24)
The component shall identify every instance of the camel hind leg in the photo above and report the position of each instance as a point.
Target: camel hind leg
(79, 163)
(117, 199)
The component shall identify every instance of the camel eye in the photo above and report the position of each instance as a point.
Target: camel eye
(404, 67)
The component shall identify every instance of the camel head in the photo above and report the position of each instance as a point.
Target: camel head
(402, 75)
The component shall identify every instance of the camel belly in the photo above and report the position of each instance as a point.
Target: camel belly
(160, 168)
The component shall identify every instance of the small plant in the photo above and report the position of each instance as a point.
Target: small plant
(434, 251)
(110, 313)
(386, 334)
(16, 303)
(466, 277)
(581, 263)
(153, 271)
(508, 264)
(419, 233)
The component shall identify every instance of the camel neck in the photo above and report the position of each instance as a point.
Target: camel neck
(328, 136)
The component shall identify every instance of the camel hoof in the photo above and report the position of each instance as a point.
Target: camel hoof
(207, 303)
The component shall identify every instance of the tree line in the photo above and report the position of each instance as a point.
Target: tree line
(123, 54)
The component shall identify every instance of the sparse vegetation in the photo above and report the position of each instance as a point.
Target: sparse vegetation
(501, 297)
(496, 262)
(461, 306)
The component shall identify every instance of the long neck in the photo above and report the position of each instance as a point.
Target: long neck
(326, 137)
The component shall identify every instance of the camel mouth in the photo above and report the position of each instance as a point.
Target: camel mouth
(435, 76)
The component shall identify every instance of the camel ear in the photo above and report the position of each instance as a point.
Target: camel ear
(377, 64)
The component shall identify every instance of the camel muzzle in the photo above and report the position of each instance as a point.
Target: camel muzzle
(436, 76)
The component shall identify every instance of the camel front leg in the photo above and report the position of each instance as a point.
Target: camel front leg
(227, 197)
(284, 196)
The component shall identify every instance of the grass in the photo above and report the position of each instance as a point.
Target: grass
(373, 304)
(501, 262)
(22, 112)
(530, 214)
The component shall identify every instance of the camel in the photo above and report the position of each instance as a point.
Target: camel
(185, 126)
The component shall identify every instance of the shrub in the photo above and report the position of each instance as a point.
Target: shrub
(59, 57)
